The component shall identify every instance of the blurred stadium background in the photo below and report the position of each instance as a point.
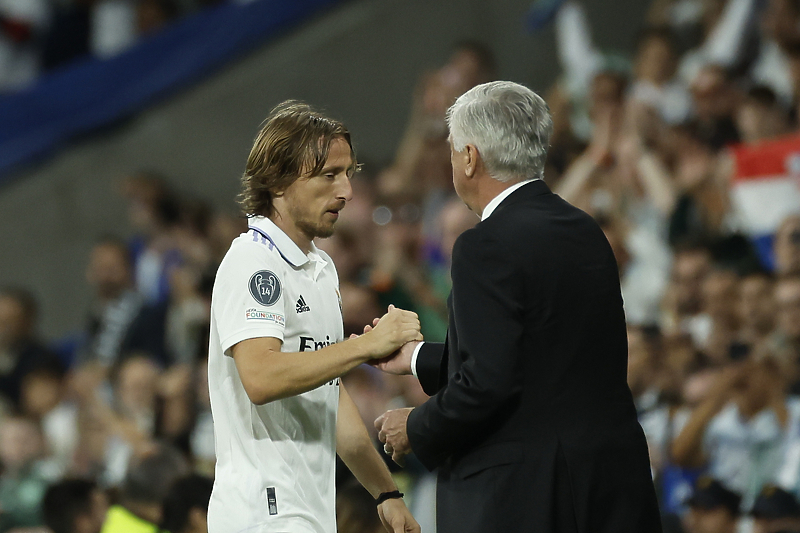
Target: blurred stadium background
(124, 128)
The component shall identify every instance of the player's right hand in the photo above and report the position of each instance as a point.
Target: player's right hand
(393, 330)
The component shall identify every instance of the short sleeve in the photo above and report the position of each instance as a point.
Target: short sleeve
(249, 295)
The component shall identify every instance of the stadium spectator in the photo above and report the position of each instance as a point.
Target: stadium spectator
(643, 368)
(114, 430)
(67, 36)
(683, 301)
(702, 191)
(103, 451)
(186, 505)
(397, 276)
(666, 416)
(40, 35)
(113, 26)
(154, 212)
(223, 228)
(760, 116)
(719, 317)
(44, 397)
(74, 506)
(656, 93)
(24, 479)
(119, 320)
(187, 315)
(784, 343)
(775, 510)
(136, 388)
(756, 309)
(713, 508)
(779, 31)
(103, 28)
(20, 350)
(644, 265)
(787, 247)
(740, 427)
(176, 407)
(590, 181)
(716, 32)
(23, 24)
(421, 164)
(144, 491)
(80, 27)
(715, 98)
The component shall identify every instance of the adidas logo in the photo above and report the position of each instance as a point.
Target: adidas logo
(301, 305)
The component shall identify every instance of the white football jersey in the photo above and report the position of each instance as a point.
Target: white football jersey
(275, 462)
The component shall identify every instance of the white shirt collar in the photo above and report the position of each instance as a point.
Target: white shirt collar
(285, 245)
(491, 206)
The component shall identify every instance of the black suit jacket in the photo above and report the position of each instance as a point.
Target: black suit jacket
(531, 422)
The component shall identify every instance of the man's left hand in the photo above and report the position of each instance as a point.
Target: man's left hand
(396, 517)
(391, 427)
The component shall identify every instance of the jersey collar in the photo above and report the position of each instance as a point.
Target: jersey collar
(290, 252)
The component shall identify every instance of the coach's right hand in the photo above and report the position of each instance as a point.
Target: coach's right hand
(393, 330)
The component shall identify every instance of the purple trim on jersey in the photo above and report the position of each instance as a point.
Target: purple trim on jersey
(256, 235)
(271, 242)
(264, 238)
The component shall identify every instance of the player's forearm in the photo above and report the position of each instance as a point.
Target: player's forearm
(370, 469)
(272, 374)
(355, 448)
(269, 374)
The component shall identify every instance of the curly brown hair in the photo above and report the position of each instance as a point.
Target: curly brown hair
(294, 140)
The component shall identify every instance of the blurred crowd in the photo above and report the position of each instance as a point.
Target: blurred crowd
(685, 149)
(682, 156)
(38, 36)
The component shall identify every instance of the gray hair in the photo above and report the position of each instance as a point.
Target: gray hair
(509, 124)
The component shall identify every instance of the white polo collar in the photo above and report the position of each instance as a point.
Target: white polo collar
(285, 245)
(491, 206)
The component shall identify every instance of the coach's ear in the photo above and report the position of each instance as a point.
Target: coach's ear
(472, 160)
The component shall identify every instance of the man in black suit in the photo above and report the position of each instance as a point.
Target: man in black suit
(531, 423)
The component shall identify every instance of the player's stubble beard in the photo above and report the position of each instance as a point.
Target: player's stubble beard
(311, 228)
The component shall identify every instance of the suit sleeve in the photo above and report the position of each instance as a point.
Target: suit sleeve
(487, 315)
(432, 366)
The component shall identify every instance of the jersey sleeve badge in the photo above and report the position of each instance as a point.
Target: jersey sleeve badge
(265, 287)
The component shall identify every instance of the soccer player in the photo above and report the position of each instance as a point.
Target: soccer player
(276, 353)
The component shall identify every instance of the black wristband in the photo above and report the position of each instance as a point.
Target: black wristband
(388, 496)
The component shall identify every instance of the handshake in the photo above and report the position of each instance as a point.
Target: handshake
(393, 338)
(396, 335)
